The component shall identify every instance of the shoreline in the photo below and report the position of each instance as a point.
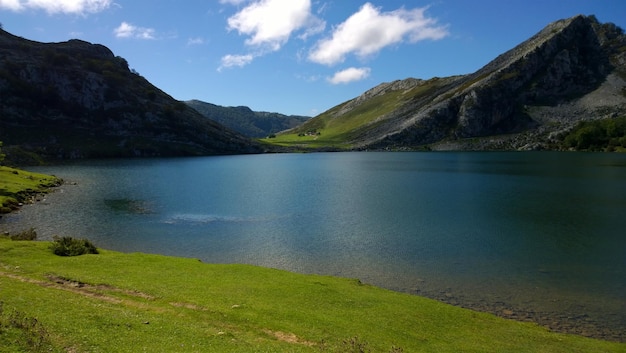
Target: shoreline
(22, 187)
(134, 301)
(555, 321)
(560, 322)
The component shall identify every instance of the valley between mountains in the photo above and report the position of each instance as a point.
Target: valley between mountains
(74, 100)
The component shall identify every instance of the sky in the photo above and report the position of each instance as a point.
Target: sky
(295, 57)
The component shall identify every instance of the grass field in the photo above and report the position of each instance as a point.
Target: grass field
(115, 302)
(17, 185)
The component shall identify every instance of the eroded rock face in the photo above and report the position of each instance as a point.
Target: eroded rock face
(562, 63)
(77, 100)
(529, 90)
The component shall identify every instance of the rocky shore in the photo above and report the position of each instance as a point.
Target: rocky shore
(611, 329)
(21, 187)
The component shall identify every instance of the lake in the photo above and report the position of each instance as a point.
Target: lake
(536, 236)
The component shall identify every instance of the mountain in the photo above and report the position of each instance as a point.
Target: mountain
(246, 121)
(78, 100)
(527, 98)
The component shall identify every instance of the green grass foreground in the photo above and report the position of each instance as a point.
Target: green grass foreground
(116, 302)
(16, 186)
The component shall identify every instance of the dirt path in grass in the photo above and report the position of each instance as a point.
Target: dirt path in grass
(92, 291)
(99, 292)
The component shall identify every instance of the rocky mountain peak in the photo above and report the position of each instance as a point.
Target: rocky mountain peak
(565, 61)
(571, 70)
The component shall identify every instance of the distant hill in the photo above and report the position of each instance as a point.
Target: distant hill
(78, 100)
(527, 98)
(246, 121)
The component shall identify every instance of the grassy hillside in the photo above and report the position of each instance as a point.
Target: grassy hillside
(114, 302)
(16, 186)
(326, 131)
(351, 123)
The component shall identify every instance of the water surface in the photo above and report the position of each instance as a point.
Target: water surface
(533, 236)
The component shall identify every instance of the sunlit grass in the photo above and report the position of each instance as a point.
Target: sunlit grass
(342, 128)
(115, 302)
(16, 184)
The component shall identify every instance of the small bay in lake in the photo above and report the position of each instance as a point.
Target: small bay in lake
(536, 236)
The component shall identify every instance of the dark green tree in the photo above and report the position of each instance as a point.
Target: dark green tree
(598, 135)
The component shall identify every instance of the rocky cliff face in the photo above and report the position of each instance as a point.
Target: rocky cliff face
(574, 69)
(77, 100)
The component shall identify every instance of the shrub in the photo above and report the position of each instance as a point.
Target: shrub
(597, 135)
(30, 234)
(68, 246)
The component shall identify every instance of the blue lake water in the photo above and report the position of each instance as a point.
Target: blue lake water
(535, 236)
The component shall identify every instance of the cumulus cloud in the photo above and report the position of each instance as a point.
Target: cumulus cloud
(13, 5)
(57, 6)
(235, 61)
(270, 23)
(350, 75)
(369, 30)
(127, 30)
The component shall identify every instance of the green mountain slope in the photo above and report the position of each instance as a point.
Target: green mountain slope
(246, 121)
(77, 100)
(572, 70)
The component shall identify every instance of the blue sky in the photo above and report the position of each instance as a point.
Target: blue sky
(295, 56)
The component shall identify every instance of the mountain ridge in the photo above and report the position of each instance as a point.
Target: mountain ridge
(76, 99)
(246, 121)
(574, 69)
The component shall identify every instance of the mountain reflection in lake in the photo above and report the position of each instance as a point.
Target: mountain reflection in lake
(532, 236)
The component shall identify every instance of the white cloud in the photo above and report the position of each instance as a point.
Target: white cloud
(314, 26)
(235, 61)
(350, 75)
(233, 2)
(127, 30)
(368, 31)
(195, 41)
(308, 78)
(57, 6)
(270, 23)
(13, 5)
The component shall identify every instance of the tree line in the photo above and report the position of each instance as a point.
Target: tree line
(598, 135)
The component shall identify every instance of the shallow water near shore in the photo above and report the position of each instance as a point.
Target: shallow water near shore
(530, 236)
